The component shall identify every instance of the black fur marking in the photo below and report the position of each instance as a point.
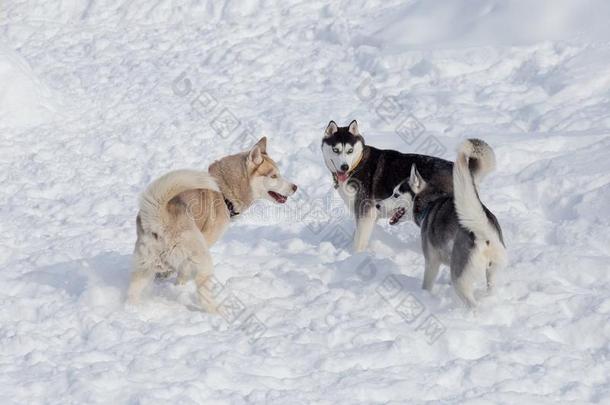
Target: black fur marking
(163, 276)
(494, 222)
(380, 171)
(405, 188)
(139, 225)
(342, 136)
(474, 165)
(231, 208)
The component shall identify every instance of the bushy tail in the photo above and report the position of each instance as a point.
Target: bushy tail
(475, 159)
(153, 201)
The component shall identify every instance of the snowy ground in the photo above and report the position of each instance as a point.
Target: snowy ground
(98, 98)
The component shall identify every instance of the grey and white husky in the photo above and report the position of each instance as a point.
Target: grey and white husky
(456, 229)
(364, 175)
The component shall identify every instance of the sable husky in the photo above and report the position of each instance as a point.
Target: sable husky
(185, 211)
(365, 175)
(457, 230)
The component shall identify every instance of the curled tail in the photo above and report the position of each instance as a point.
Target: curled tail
(153, 201)
(475, 159)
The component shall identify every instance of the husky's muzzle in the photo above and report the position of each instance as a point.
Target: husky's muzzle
(279, 198)
(398, 214)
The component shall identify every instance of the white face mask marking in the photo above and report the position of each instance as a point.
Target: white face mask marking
(342, 158)
(389, 206)
(273, 188)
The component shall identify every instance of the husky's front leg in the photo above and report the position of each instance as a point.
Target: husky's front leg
(364, 228)
(433, 264)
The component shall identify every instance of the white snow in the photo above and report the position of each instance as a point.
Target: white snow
(98, 98)
(24, 100)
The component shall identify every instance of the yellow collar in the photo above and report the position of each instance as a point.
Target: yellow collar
(357, 163)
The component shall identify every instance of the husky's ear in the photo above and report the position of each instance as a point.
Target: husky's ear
(262, 144)
(353, 128)
(416, 182)
(256, 153)
(331, 129)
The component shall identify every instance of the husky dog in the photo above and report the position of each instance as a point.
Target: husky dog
(456, 230)
(364, 175)
(185, 212)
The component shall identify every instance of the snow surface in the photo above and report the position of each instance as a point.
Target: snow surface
(98, 98)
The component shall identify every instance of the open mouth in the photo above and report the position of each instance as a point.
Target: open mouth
(397, 215)
(278, 197)
(342, 176)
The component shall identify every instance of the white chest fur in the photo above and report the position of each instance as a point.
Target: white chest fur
(348, 194)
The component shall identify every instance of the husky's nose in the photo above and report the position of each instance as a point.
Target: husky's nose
(344, 167)
(294, 188)
(378, 206)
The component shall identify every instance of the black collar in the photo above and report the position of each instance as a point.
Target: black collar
(231, 208)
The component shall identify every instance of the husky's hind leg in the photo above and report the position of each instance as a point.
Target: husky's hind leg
(464, 287)
(490, 275)
(192, 257)
(146, 263)
(463, 269)
(466, 261)
(184, 275)
(496, 260)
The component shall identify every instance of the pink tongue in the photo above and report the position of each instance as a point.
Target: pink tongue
(342, 176)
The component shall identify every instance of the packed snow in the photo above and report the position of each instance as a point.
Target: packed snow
(98, 98)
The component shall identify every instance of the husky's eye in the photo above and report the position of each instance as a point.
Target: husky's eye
(336, 151)
(274, 176)
(396, 195)
(349, 152)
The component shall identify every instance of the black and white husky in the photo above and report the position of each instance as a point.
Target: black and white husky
(456, 230)
(364, 175)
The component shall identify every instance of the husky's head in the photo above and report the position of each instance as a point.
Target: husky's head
(342, 148)
(266, 180)
(251, 175)
(399, 206)
(409, 198)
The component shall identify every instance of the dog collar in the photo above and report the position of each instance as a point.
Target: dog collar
(357, 163)
(419, 218)
(231, 208)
